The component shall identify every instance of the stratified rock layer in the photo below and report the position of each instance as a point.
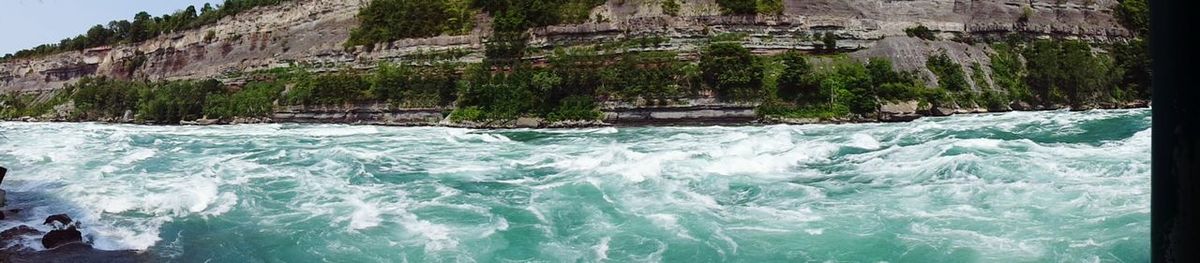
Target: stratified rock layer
(312, 33)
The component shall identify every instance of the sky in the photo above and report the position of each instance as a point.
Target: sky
(28, 23)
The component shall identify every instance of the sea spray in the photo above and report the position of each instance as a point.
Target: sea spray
(1020, 186)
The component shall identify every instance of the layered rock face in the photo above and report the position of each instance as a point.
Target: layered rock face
(312, 33)
(258, 39)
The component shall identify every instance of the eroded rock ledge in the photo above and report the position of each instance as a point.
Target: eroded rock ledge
(311, 32)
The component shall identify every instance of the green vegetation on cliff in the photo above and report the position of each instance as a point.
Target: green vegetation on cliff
(750, 7)
(732, 71)
(1132, 58)
(920, 31)
(838, 88)
(570, 83)
(256, 99)
(390, 20)
(1068, 72)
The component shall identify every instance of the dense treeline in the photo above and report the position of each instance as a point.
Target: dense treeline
(1040, 72)
(390, 20)
(1132, 58)
(156, 102)
(750, 7)
(568, 85)
(144, 26)
(571, 81)
(1068, 72)
(732, 71)
(841, 88)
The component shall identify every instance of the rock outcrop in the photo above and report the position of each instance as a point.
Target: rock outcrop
(63, 243)
(59, 220)
(312, 33)
(899, 111)
(13, 234)
(59, 237)
(3, 194)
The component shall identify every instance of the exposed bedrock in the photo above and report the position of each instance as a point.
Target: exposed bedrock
(312, 33)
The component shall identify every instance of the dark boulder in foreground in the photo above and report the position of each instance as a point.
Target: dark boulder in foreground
(3, 194)
(62, 219)
(59, 237)
(64, 244)
(74, 253)
(65, 232)
(12, 234)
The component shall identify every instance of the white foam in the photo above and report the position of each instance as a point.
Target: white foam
(464, 135)
(670, 223)
(136, 155)
(759, 229)
(335, 130)
(815, 231)
(863, 141)
(438, 236)
(601, 249)
(364, 215)
(680, 181)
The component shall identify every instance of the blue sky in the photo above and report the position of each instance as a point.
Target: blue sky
(28, 23)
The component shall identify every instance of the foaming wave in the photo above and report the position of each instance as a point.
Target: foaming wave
(465, 135)
(1022, 186)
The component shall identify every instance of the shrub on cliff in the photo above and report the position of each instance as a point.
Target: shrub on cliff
(1135, 15)
(893, 85)
(828, 43)
(581, 71)
(1068, 71)
(499, 95)
(857, 92)
(950, 74)
(731, 70)
(343, 87)
(739, 7)
(102, 97)
(1132, 61)
(670, 7)
(794, 83)
(648, 75)
(170, 102)
(575, 108)
(411, 86)
(256, 99)
(770, 7)
(1008, 72)
(389, 20)
(920, 31)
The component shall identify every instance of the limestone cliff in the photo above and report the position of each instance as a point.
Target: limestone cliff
(312, 33)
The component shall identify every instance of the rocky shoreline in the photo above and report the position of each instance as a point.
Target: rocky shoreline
(62, 243)
(689, 115)
(910, 111)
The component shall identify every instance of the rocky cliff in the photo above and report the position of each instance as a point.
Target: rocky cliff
(312, 33)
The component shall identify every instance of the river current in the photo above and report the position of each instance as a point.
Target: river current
(1007, 187)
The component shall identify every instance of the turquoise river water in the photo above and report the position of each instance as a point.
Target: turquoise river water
(1010, 187)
